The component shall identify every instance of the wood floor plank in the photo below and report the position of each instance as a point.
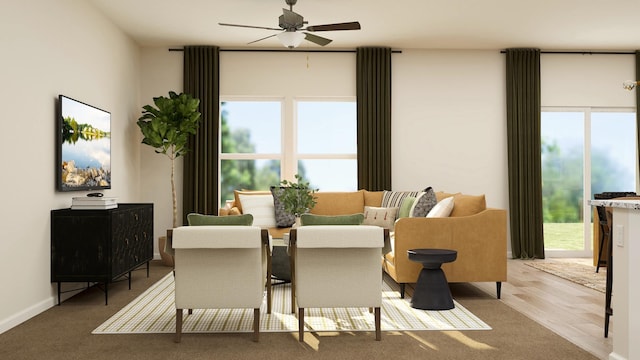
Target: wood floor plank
(572, 311)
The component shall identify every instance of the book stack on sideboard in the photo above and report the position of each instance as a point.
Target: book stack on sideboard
(93, 203)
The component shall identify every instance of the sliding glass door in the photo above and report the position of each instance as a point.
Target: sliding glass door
(584, 151)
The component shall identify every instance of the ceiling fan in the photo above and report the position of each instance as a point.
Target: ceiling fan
(293, 31)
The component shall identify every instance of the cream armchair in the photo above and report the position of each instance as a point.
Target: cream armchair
(337, 266)
(221, 267)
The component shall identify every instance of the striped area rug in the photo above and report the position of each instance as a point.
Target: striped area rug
(154, 312)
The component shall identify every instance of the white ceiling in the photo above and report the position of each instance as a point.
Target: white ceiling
(583, 25)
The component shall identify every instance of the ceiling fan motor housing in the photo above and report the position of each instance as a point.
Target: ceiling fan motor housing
(291, 21)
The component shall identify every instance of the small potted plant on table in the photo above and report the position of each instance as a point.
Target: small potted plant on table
(297, 197)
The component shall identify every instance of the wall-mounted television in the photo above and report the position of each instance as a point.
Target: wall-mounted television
(83, 143)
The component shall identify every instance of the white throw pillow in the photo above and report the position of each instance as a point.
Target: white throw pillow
(262, 209)
(380, 216)
(442, 208)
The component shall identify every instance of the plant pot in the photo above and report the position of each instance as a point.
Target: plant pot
(166, 258)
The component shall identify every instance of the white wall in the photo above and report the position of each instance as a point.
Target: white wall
(449, 126)
(51, 48)
(586, 80)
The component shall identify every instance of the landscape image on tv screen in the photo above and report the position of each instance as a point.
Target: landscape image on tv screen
(84, 146)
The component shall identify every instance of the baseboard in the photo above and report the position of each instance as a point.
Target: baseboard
(614, 356)
(26, 314)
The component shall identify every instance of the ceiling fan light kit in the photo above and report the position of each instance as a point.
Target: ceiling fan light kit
(290, 23)
(291, 39)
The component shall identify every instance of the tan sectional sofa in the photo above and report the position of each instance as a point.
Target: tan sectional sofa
(477, 233)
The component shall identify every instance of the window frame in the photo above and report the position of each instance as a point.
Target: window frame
(289, 123)
(586, 191)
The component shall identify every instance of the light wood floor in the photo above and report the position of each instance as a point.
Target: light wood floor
(573, 311)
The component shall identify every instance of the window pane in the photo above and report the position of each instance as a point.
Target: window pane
(562, 179)
(330, 175)
(613, 152)
(326, 127)
(250, 127)
(247, 174)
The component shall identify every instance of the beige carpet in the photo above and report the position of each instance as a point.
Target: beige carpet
(154, 312)
(578, 271)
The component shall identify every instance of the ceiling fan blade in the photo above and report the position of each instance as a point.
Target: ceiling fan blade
(250, 26)
(332, 27)
(264, 38)
(317, 39)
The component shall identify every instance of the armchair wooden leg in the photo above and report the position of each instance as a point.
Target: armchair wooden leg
(301, 324)
(292, 266)
(402, 290)
(268, 283)
(378, 329)
(256, 325)
(178, 336)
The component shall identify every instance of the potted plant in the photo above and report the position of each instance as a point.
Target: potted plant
(166, 127)
(297, 197)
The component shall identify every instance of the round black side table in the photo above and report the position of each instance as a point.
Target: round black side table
(432, 290)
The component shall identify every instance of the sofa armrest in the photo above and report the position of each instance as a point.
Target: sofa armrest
(479, 239)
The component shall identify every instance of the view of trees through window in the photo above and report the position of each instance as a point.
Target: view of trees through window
(583, 152)
(259, 146)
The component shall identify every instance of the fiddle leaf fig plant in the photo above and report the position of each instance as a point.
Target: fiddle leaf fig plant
(167, 126)
(297, 197)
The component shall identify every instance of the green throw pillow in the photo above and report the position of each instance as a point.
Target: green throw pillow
(405, 206)
(310, 219)
(200, 219)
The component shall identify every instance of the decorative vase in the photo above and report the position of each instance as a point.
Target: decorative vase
(166, 258)
(296, 223)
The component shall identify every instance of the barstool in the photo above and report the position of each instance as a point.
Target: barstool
(605, 236)
(608, 310)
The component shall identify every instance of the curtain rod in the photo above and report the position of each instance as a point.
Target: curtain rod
(288, 50)
(583, 52)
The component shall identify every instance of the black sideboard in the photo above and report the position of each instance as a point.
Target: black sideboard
(100, 246)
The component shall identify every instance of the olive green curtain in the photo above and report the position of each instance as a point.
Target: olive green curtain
(373, 90)
(200, 173)
(524, 157)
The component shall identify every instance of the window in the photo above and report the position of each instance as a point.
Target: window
(584, 151)
(326, 149)
(262, 143)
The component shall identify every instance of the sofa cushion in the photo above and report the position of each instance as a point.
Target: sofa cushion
(442, 195)
(394, 198)
(380, 216)
(261, 207)
(405, 207)
(236, 196)
(372, 198)
(423, 203)
(468, 205)
(338, 203)
(443, 208)
(195, 219)
(311, 219)
(283, 218)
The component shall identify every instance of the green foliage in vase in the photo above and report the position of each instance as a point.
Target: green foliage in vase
(297, 197)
